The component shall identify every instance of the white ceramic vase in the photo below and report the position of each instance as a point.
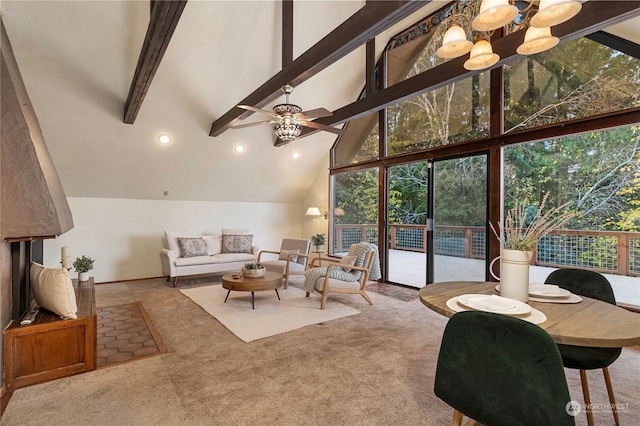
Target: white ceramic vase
(514, 273)
(83, 276)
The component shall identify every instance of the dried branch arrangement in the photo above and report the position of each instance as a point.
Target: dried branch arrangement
(523, 233)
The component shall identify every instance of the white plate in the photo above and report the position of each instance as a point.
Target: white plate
(547, 290)
(493, 303)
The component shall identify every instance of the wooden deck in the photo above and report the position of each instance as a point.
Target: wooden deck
(409, 268)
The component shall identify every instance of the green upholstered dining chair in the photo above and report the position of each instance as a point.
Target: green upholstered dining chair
(501, 370)
(596, 286)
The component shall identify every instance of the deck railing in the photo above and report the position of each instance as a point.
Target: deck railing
(605, 251)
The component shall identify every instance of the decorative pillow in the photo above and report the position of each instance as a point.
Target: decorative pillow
(348, 260)
(236, 243)
(53, 290)
(213, 243)
(231, 231)
(285, 253)
(192, 247)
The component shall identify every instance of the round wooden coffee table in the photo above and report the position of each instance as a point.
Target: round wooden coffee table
(238, 282)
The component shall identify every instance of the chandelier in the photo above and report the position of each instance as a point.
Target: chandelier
(496, 14)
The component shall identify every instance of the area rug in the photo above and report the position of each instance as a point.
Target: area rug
(125, 333)
(270, 316)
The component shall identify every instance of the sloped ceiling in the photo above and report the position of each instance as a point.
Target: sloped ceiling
(77, 59)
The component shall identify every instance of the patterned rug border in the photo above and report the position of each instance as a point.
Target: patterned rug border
(148, 323)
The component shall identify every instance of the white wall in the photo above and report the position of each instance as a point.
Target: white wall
(318, 195)
(125, 236)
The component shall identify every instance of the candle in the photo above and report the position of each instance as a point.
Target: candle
(65, 251)
(66, 262)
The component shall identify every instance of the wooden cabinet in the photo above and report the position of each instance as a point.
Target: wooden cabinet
(50, 347)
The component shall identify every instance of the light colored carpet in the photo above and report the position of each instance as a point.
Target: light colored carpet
(270, 316)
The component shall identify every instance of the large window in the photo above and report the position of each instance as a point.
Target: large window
(535, 128)
(578, 79)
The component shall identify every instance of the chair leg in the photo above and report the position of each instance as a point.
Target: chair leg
(286, 281)
(366, 297)
(587, 398)
(323, 304)
(457, 418)
(612, 398)
(307, 294)
(175, 281)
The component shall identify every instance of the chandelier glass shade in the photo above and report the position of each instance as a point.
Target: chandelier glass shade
(554, 12)
(287, 129)
(482, 56)
(454, 43)
(537, 40)
(494, 14)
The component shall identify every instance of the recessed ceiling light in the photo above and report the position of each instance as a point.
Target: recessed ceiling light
(164, 139)
(239, 148)
(295, 155)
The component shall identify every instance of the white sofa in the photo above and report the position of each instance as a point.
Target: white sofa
(184, 255)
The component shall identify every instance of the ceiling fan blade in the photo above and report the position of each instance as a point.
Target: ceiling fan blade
(323, 127)
(255, 123)
(264, 111)
(315, 113)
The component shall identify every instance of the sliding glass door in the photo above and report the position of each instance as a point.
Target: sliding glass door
(407, 213)
(460, 218)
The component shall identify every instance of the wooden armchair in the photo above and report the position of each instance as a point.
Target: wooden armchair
(292, 258)
(326, 284)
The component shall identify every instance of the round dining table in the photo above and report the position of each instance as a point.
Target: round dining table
(590, 322)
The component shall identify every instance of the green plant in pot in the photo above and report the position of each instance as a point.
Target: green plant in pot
(83, 265)
(253, 270)
(318, 240)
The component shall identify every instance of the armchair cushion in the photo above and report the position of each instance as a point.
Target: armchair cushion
(284, 254)
(347, 260)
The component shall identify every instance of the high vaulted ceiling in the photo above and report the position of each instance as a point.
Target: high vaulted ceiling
(78, 59)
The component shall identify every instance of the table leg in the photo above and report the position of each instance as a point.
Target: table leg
(277, 294)
(225, 299)
(253, 305)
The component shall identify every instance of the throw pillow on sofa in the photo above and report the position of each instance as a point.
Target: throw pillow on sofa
(53, 290)
(236, 243)
(192, 247)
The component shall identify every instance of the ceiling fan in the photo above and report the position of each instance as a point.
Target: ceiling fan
(288, 119)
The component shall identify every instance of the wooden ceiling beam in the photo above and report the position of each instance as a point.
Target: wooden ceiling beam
(163, 19)
(594, 16)
(372, 19)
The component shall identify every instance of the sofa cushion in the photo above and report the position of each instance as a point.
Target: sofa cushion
(284, 254)
(235, 257)
(197, 260)
(214, 244)
(53, 290)
(236, 243)
(191, 247)
(232, 231)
